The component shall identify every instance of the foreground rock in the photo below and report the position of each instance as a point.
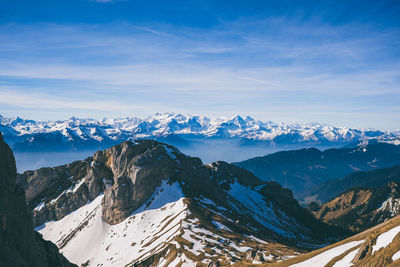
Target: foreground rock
(20, 245)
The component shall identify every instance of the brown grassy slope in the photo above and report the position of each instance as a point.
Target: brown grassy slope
(379, 258)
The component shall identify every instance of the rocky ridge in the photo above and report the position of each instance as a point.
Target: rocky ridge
(207, 213)
(368, 179)
(304, 170)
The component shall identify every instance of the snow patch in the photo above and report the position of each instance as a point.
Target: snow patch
(323, 258)
(346, 261)
(385, 239)
(220, 226)
(396, 256)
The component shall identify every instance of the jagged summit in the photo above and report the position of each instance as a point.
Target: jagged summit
(158, 205)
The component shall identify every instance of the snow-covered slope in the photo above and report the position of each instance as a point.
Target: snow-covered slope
(145, 203)
(89, 131)
(145, 232)
(377, 246)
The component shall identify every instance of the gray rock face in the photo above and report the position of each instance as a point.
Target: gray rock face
(63, 189)
(127, 174)
(20, 245)
(137, 170)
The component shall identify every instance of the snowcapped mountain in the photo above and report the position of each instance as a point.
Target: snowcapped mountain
(179, 129)
(58, 142)
(147, 204)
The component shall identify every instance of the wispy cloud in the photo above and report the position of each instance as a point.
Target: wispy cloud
(48, 102)
(260, 65)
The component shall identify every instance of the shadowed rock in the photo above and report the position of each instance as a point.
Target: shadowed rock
(20, 245)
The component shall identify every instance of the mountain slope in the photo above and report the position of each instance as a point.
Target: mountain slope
(145, 202)
(301, 170)
(361, 208)
(377, 246)
(20, 245)
(372, 179)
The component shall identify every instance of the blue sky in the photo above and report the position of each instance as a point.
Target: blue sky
(336, 62)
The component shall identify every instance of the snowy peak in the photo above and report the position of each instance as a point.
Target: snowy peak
(151, 199)
(84, 133)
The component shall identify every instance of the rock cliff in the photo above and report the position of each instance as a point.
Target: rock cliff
(20, 245)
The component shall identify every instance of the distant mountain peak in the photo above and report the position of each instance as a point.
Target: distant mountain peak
(78, 133)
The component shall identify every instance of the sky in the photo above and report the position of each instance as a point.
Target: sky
(335, 62)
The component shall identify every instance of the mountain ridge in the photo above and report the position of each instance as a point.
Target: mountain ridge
(360, 208)
(363, 179)
(305, 169)
(197, 212)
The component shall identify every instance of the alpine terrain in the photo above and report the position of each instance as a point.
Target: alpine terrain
(145, 203)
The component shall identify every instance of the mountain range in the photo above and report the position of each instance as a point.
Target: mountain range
(210, 139)
(145, 203)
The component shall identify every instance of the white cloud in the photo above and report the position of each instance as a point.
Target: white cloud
(46, 101)
(237, 66)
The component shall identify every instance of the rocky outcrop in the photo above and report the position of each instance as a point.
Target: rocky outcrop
(20, 245)
(137, 170)
(365, 249)
(129, 173)
(255, 256)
